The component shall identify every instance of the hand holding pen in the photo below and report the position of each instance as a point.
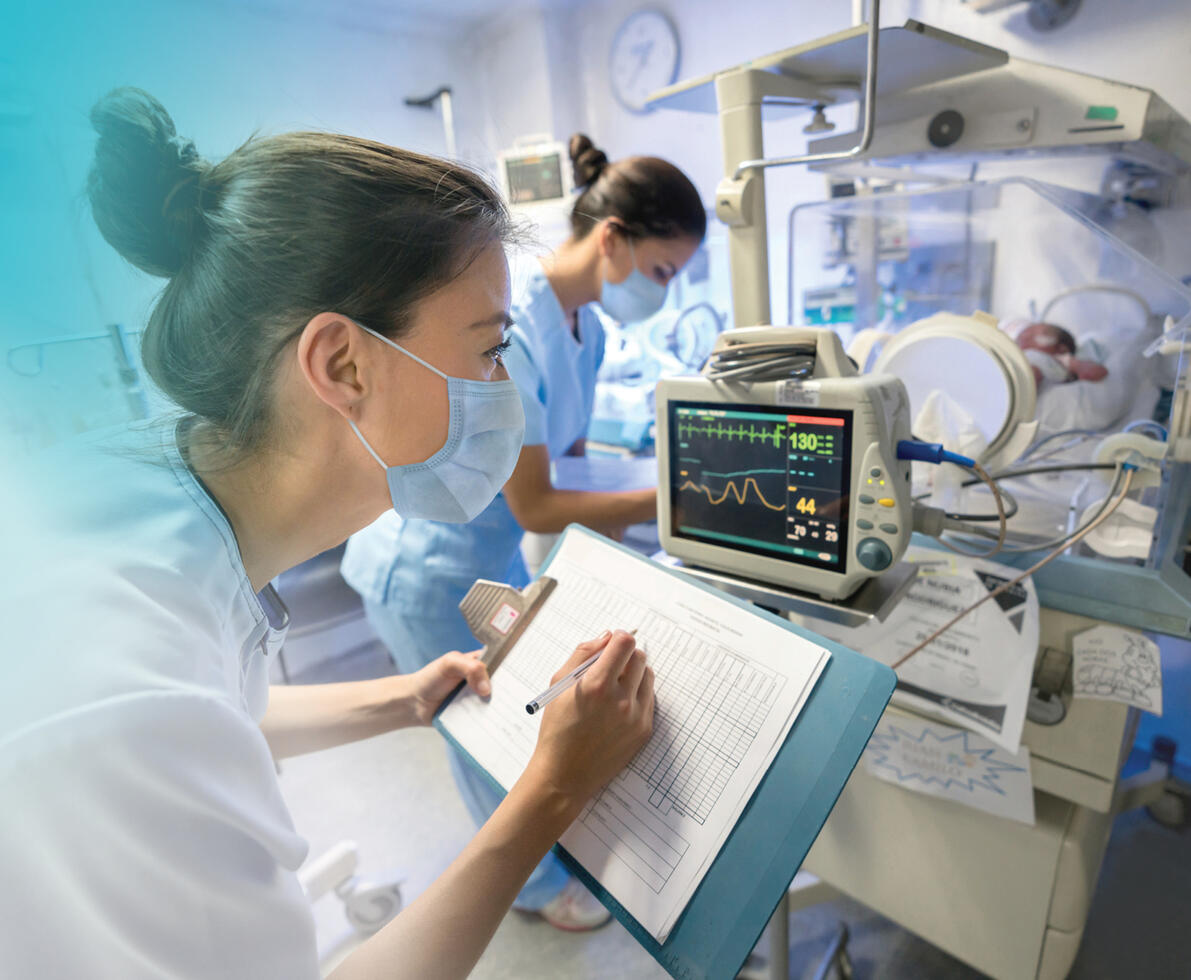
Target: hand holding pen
(601, 719)
(571, 677)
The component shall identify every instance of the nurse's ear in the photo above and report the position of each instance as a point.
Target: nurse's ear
(609, 238)
(335, 361)
(612, 245)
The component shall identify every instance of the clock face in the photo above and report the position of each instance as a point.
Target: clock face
(643, 59)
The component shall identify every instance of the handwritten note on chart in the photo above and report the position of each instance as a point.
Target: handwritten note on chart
(1114, 664)
(938, 760)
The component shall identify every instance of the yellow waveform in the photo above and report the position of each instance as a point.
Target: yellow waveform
(738, 492)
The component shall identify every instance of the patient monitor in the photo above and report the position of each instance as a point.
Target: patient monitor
(778, 463)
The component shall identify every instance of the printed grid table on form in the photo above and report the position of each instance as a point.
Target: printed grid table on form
(710, 704)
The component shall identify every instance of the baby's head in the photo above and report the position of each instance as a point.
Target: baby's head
(1046, 337)
(1051, 352)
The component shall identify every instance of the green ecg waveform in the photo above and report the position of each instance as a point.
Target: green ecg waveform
(775, 434)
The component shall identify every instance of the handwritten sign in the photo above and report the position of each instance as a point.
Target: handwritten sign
(1114, 664)
(953, 764)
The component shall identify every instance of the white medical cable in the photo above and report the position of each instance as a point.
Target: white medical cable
(1064, 542)
(1003, 529)
(1087, 529)
(761, 362)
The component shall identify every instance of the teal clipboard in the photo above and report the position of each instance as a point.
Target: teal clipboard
(738, 895)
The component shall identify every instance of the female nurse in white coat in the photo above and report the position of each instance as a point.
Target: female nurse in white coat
(634, 226)
(331, 330)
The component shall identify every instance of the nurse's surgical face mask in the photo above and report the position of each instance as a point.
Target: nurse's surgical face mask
(465, 475)
(637, 298)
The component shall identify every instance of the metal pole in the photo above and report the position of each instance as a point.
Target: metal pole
(748, 246)
(869, 125)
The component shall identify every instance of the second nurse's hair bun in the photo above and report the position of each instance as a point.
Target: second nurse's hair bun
(587, 160)
(145, 183)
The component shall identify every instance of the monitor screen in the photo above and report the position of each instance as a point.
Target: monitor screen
(534, 178)
(762, 479)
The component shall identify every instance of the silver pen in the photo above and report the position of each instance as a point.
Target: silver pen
(554, 690)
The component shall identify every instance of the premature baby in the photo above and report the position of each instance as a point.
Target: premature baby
(1051, 353)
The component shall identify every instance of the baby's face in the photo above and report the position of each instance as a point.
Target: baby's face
(1048, 367)
(1051, 353)
(1047, 338)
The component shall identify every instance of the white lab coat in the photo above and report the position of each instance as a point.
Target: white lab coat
(142, 829)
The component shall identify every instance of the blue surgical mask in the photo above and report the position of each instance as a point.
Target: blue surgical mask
(637, 298)
(483, 441)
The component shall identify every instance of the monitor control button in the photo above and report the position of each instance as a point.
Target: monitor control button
(889, 528)
(866, 499)
(887, 502)
(874, 472)
(864, 525)
(874, 554)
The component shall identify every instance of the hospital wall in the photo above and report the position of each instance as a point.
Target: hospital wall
(224, 70)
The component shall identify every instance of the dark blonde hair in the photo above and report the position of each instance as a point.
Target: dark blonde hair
(255, 245)
(649, 197)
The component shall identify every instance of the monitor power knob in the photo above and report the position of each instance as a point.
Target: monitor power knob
(874, 554)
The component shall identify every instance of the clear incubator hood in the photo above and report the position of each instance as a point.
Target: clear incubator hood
(900, 274)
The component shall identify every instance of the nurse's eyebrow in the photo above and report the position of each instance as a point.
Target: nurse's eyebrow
(501, 319)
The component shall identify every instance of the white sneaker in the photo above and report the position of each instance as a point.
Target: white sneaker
(575, 909)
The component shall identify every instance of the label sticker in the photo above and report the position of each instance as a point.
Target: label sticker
(801, 393)
(1114, 664)
(504, 619)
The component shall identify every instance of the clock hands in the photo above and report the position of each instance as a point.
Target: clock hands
(642, 51)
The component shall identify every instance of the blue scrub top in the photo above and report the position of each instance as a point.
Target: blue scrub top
(424, 567)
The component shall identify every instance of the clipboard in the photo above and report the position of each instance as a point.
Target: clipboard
(743, 885)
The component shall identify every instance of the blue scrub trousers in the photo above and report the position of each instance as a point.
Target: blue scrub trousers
(413, 641)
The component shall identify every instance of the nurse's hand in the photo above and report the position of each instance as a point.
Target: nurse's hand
(440, 677)
(591, 732)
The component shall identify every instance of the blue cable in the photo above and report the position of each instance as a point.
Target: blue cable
(931, 452)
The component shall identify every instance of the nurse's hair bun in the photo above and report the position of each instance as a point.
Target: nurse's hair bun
(587, 160)
(146, 184)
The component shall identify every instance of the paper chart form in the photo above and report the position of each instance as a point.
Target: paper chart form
(728, 687)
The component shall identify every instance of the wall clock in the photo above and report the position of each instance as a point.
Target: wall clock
(643, 58)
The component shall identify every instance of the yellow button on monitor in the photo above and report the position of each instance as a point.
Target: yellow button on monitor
(887, 502)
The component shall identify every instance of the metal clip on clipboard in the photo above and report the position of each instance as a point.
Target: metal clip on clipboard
(498, 614)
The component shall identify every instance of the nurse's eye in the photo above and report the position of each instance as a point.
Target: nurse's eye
(495, 352)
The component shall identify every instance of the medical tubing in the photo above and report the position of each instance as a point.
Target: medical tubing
(1038, 444)
(1147, 424)
(1052, 468)
(1061, 542)
(1003, 528)
(1011, 506)
(1088, 528)
(1010, 474)
(933, 452)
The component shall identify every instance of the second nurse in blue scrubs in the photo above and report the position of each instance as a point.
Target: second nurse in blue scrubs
(635, 225)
